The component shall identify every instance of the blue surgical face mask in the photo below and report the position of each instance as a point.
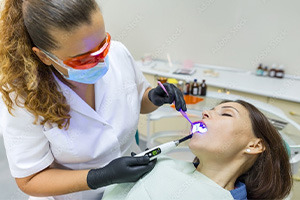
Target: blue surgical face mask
(87, 76)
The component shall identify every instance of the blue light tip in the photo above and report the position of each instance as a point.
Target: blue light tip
(199, 127)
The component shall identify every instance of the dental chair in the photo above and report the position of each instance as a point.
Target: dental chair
(276, 116)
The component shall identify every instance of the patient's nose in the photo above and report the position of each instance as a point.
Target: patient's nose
(205, 114)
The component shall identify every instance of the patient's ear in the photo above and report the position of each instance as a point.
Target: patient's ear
(255, 146)
(42, 56)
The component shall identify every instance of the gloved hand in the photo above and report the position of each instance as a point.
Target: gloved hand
(120, 170)
(159, 97)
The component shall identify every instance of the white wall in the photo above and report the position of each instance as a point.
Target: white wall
(234, 33)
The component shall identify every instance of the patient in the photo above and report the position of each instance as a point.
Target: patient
(240, 156)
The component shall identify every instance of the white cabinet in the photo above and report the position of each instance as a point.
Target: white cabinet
(151, 79)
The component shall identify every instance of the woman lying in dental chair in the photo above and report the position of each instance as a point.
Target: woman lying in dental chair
(240, 156)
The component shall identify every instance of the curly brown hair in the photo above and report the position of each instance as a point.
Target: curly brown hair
(25, 80)
(270, 177)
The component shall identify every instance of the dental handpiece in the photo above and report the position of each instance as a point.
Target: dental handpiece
(154, 152)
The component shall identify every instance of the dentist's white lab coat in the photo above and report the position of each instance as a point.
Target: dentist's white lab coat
(93, 139)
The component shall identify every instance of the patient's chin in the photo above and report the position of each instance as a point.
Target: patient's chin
(196, 147)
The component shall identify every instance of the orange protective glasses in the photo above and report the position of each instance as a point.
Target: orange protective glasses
(90, 60)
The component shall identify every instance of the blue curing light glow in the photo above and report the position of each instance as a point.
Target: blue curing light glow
(199, 127)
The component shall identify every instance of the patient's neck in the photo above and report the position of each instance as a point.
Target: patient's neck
(224, 174)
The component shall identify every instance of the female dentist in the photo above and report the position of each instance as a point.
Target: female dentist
(71, 100)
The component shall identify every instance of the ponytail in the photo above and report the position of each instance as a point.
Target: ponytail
(25, 81)
(15, 43)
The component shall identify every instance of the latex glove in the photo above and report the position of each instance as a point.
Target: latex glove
(120, 170)
(159, 97)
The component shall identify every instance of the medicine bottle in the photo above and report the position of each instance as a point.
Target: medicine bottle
(202, 88)
(195, 88)
(272, 72)
(266, 71)
(186, 89)
(180, 85)
(259, 70)
(280, 72)
(162, 79)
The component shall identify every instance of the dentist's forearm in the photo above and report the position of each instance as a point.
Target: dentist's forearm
(147, 106)
(52, 182)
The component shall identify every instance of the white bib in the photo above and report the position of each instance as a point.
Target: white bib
(170, 179)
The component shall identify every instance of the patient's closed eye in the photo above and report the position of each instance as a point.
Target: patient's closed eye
(226, 114)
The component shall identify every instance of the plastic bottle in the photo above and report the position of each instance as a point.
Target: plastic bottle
(272, 72)
(162, 79)
(202, 88)
(266, 71)
(195, 88)
(259, 70)
(186, 89)
(280, 72)
(180, 85)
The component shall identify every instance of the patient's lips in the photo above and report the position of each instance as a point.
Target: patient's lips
(199, 127)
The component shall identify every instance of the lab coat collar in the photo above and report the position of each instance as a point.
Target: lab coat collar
(79, 105)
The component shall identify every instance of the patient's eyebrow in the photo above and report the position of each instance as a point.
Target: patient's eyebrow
(230, 107)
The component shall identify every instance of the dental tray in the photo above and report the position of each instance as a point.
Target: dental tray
(184, 71)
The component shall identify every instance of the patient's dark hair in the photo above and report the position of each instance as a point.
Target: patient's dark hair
(270, 177)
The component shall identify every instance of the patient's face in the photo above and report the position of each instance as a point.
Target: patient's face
(229, 131)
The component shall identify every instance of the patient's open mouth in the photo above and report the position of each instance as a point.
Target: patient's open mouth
(199, 127)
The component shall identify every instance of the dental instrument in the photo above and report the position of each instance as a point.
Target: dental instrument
(195, 126)
(169, 146)
(163, 149)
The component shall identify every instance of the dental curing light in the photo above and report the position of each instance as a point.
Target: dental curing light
(196, 127)
(153, 153)
(163, 149)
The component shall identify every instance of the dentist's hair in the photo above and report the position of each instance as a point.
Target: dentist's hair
(270, 176)
(24, 79)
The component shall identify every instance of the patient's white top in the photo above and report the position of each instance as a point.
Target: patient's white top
(170, 179)
(95, 137)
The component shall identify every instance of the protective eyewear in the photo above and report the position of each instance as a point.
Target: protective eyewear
(88, 60)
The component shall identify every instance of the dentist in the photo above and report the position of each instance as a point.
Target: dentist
(71, 99)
